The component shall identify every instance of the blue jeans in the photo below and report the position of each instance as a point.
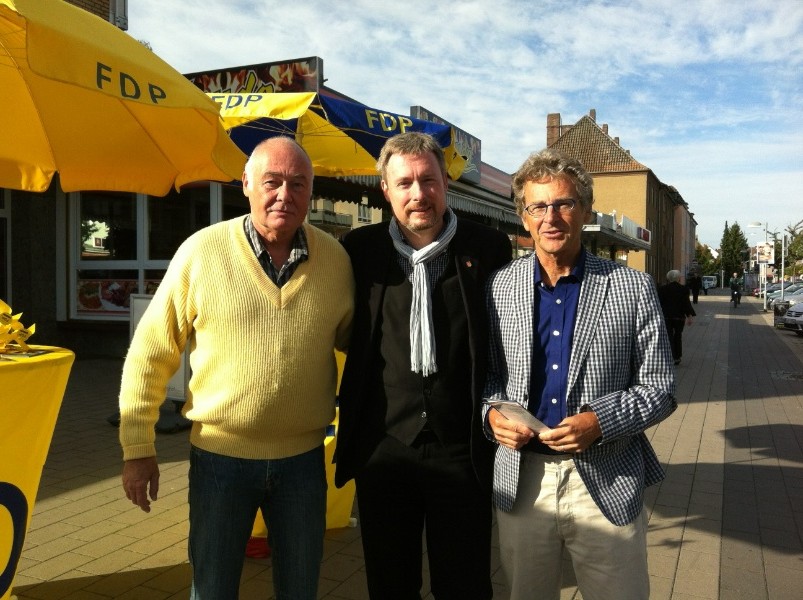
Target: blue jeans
(224, 496)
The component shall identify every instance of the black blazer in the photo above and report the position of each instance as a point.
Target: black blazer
(476, 251)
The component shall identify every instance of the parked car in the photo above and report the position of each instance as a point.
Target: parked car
(793, 319)
(774, 287)
(788, 291)
(795, 297)
(709, 281)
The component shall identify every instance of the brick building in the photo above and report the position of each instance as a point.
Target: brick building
(624, 187)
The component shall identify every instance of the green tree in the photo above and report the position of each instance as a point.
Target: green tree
(794, 249)
(733, 250)
(88, 229)
(704, 258)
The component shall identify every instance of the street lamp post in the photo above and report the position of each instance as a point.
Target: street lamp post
(744, 275)
(762, 266)
(783, 264)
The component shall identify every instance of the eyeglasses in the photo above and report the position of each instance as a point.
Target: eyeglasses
(563, 207)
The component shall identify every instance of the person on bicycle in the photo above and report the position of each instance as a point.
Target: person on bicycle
(736, 295)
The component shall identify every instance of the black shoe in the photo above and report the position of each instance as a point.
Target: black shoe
(677, 361)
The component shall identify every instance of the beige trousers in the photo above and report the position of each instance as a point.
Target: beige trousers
(554, 511)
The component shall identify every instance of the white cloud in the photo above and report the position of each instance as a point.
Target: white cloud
(707, 93)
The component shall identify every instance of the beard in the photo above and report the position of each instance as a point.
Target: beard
(420, 225)
(417, 222)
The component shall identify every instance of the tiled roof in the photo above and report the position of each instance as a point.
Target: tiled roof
(598, 152)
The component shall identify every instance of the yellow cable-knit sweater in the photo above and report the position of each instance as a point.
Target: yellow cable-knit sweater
(261, 357)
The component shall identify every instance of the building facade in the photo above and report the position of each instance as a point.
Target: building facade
(113, 11)
(626, 189)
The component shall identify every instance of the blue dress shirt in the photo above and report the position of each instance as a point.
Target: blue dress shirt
(555, 310)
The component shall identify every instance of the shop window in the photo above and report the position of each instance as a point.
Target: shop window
(235, 203)
(108, 226)
(122, 243)
(173, 218)
(153, 277)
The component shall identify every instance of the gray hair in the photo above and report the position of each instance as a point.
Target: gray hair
(673, 275)
(549, 164)
(412, 142)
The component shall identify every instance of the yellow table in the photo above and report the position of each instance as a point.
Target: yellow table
(339, 502)
(31, 391)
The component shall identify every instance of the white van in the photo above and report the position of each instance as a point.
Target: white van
(709, 281)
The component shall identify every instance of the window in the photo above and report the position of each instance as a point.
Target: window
(172, 219)
(363, 213)
(111, 219)
(234, 202)
(122, 243)
(322, 205)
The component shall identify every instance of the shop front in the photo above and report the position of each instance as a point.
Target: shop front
(73, 260)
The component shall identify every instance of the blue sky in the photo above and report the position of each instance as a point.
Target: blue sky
(706, 93)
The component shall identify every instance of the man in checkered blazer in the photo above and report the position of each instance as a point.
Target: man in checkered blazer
(580, 342)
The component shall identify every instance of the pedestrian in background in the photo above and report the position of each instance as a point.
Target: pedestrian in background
(694, 283)
(678, 311)
(735, 286)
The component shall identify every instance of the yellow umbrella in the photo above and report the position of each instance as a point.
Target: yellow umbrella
(82, 98)
(341, 137)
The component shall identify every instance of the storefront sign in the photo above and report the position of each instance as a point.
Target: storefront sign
(766, 253)
(295, 75)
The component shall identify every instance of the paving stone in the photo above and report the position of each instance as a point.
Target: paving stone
(726, 522)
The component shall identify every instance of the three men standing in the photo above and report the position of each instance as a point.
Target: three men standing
(576, 340)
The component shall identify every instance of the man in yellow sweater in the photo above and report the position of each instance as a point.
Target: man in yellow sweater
(262, 301)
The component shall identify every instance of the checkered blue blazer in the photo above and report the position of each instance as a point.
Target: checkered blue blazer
(620, 367)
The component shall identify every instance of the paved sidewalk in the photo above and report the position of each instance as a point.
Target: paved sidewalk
(726, 523)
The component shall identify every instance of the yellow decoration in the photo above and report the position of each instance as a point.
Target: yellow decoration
(13, 334)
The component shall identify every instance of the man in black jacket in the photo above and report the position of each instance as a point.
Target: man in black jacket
(410, 432)
(736, 294)
(695, 283)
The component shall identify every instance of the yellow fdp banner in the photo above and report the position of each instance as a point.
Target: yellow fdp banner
(32, 386)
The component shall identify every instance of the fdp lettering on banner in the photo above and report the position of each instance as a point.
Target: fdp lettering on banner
(13, 500)
(387, 121)
(129, 87)
(235, 100)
